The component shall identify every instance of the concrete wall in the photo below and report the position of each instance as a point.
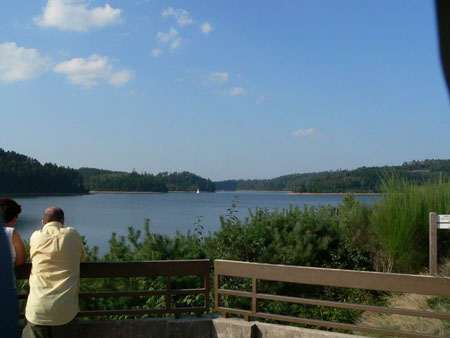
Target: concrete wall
(205, 327)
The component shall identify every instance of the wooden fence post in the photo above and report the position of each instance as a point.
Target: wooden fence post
(433, 243)
(254, 291)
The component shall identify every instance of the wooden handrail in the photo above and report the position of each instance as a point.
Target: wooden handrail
(133, 269)
(428, 285)
(167, 269)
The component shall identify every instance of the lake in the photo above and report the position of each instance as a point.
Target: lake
(96, 216)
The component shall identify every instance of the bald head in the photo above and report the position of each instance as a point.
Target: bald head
(53, 214)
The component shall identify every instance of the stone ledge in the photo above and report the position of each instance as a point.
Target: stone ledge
(147, 328)
(238, 328)
(192, 327)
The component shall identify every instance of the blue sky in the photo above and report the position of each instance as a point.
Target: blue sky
(224, 89)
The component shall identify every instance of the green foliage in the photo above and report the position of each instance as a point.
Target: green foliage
(356, 233)
(186, 181)
(20, 174)
(400, 223)
(138, 246)
(106, 180)
(153, 246)
(87, 173)
(290, 236)
(315, 236)
(362, 180)
(126, 182)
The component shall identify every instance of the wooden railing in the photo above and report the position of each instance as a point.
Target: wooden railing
(151, 269)
(416, 284)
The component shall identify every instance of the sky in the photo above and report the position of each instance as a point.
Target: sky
(224, 89)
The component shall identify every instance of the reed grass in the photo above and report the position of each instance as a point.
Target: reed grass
(400, 223)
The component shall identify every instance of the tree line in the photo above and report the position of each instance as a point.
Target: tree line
(360, 180)
(105, 180)
(23, 174)
(20, 174)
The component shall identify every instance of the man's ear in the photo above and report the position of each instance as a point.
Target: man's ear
(42, 221)
(63, 221)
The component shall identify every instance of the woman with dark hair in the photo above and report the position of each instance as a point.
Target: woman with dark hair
(10, 210)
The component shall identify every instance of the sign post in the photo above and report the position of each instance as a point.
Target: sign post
(436, 222)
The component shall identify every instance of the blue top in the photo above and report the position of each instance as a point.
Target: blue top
(8, 311)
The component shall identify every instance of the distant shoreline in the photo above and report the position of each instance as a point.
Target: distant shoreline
(93, 192)
(238, 191)
(143, 192)
(44, 194)
(308, 193)
(336, 193)
(125, 192)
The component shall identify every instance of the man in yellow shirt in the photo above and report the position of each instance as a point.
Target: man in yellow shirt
(56, 252)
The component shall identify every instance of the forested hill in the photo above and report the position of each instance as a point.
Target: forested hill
(21, 174)
(186, 181)
(106, 180)
(364, 179)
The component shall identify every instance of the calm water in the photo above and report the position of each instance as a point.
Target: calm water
(97, 216)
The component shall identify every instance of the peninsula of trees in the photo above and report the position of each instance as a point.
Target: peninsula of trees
(105, 180)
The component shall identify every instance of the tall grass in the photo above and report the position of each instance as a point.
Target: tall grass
(400, 223)
(432, 326)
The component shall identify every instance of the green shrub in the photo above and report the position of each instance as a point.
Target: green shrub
(313, 236)
(291, 236)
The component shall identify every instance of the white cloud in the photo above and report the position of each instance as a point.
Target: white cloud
(260, 99)
(171, 36)
(235, 91)
(156, 52)
(71, 15)
(89, 72)
(176, 44)
(218, 77)
(121, 77)
(304, 132)
(206, 28)
(19, 63)
(166, 37)
(182, 16)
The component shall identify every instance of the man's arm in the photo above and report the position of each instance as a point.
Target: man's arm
(83, 253)
(80, 241)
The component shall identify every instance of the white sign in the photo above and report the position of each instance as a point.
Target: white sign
(443, 221)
